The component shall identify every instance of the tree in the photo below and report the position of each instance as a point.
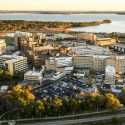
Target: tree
(112, 102)
(122, 96)
(55, 105)
(21, 96)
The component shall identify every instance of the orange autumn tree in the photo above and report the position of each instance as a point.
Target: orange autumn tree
(21, 95)
(112, 102)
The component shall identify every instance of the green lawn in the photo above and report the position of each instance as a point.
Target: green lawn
(9, 41)
(122, 39)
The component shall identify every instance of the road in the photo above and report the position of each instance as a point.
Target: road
(75, 121)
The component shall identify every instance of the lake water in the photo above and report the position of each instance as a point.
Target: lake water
(117, 25)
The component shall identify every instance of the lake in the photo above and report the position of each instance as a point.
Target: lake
(117, 25)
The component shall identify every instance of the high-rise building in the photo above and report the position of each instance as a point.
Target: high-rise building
(14, 64)
(110, 75)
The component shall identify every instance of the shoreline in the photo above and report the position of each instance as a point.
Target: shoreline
(65, 12)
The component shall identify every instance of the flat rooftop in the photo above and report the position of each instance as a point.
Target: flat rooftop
(82, 50)
(12, 58)
(32, 73)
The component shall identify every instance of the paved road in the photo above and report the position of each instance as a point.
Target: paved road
(66, 122)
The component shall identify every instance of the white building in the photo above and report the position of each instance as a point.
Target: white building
(35, 76)
(110, 74)
(2, 46)
(59, 64)
(57, 75)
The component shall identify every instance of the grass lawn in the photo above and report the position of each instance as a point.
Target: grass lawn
(9, 41)
(122, 39)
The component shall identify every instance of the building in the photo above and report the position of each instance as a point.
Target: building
(26, 40)
(87, 36)
(34, 58)
(99, 62)
(14, 64)
(93, 62)
(105, 41)
(83, 61)
(92, 38)
(110, 74)
(89, 49)
(2, 46)
(34, 76)
(59, 64)
(118, 62)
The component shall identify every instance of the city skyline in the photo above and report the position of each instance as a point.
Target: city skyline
(63, 5)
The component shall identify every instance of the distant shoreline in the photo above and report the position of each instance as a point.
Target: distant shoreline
(67, 12)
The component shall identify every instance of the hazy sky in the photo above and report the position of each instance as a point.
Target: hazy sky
(116, 5)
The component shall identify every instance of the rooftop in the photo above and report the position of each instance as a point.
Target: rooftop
(85, 50)
(12, 58)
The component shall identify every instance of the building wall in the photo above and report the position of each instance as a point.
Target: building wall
(58, 64)
(105, 41)
(118, 63)
(83, 62)
(2, 46)
(87, 36)
(99, 64)
(14, 65)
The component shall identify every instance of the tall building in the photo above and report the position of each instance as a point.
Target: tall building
(14, 64)
(2, 46)
(83, 61)
(99, 62)
(110, 75)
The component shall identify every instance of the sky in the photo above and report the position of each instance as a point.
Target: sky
(73, 5)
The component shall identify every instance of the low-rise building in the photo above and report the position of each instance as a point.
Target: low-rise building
(34, 76)
(87, 36)
(92, 38)
(105, 41)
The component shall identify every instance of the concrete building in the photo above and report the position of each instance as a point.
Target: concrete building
(59, 64)
(110, 74)
(34, 76)
(118, 62)
(83, 62)
(87, 36)
(93, 62)
(99, 62)
(92, 38)
(105, 41)
(2, 46)
(89, 49)
(14, 64)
